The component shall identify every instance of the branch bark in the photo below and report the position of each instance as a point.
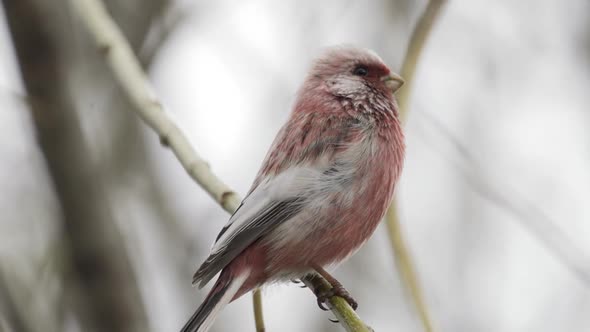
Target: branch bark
(132, 79)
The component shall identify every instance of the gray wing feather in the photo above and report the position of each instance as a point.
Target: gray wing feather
(270, 217)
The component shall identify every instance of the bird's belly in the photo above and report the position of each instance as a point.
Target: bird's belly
(324, 234)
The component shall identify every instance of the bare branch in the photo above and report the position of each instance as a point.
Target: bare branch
(134, 82)
(164, 26)
(258, 317)
(402, 255)
(415, 46)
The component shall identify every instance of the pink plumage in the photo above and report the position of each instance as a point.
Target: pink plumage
(323, 188)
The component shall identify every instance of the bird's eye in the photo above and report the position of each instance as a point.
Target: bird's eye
(360, 70)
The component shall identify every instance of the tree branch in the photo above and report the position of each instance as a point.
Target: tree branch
(134, 82)
(414, 50)
(164, 26)
(402, 255)
(258, 317)
(132, 79)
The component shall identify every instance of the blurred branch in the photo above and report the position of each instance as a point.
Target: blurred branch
(402, 255)
(101, 285)
(8, 93)
(543, 228)
(164, 26)
(134, 82)
(414, 50)
(9, 308)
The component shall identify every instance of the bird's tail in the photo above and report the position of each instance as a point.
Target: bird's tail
(222, 293)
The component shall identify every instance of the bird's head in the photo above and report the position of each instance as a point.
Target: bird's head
(351, 72)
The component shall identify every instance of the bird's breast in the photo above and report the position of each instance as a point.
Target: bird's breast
(341, 213)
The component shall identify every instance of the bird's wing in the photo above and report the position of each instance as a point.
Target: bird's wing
(300, 164)
(275, 200)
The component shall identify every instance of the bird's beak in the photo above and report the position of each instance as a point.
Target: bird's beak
(393, 81)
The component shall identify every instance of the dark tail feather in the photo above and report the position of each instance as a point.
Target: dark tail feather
(222, 293)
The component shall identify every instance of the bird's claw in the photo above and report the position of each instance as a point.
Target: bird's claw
(321, 301)
(297, 282)
(336, 291)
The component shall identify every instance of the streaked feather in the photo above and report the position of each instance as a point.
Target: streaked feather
(276, 198)
(238, 239)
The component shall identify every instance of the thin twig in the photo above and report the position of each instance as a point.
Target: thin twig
(544, 229)
(258, 315)
(402, 255)
(134, 82)
(166, 24)
(14, 316)
(414, 50)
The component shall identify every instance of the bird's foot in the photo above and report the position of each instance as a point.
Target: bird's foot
(339, 291)
(299, 282)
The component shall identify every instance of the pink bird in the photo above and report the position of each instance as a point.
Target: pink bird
(323, 188)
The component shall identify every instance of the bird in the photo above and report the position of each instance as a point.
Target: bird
(322, 189)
